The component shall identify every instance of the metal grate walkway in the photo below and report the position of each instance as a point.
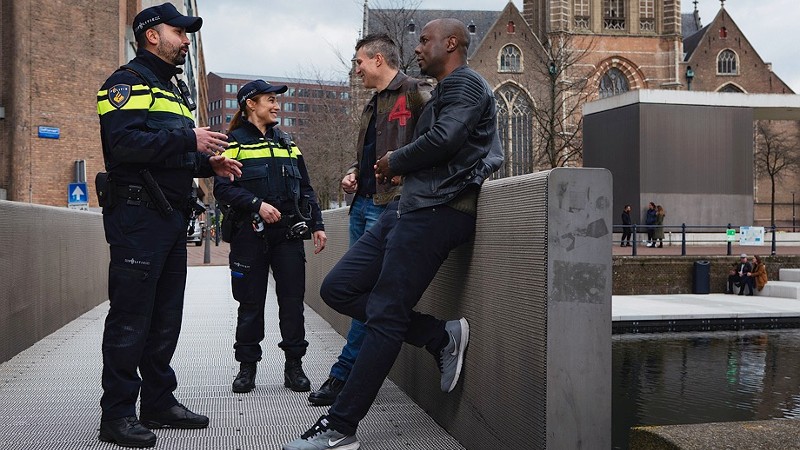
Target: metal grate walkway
(50, 393)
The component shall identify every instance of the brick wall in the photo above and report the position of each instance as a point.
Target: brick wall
(55, 57)
(643, 275)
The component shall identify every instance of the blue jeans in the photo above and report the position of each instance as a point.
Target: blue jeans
(363, 214)
(379, 281)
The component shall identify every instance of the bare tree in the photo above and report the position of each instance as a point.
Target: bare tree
(776, 155)
(394, 17)
(557, 112)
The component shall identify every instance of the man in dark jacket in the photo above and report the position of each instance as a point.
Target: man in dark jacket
(650, 220)
(455, 150)
(626, 226)
(738, 274)
(387, 122)
(152, 150)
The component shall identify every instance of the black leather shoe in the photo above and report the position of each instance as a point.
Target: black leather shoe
(176, 417)
(126, 432)
(327, 393)
(246, 378)
(293, 376)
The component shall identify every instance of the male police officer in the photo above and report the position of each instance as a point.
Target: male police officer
(152, 150)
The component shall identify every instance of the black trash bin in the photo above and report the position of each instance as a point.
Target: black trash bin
(701, 281)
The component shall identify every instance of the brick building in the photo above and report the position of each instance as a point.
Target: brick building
(54, 56)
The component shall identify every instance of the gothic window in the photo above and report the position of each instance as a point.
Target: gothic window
(730, 87)
(515, 128)
(614, 14)
(613, 82)
(510, 59)
(581, 14)
(726, 63)
(647, 18)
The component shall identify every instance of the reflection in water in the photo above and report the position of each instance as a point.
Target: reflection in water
(682, 378)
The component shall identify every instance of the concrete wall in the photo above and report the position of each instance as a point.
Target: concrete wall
(536, 287)
(53, 268)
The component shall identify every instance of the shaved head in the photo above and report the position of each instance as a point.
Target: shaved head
(442, 47)
(457, 29)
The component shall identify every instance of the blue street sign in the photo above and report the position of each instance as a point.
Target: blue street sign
(77, 193)
(49, 132)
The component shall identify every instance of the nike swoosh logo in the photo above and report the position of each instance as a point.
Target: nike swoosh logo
(455, 346)
(332, 443)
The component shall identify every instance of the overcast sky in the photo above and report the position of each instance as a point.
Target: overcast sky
(301, 38)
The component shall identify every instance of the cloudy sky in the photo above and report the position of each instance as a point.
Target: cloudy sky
(304, 38)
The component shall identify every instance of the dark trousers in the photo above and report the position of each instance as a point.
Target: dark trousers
(626, 235)
(379, 281)
(250, 260)
(732, 280)
(146, 282)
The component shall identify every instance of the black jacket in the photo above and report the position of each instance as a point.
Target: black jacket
(456, 143)
(130, 145)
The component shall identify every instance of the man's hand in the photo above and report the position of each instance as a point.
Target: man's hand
(210, 142)
(226, 167)
(269, 213)
(350, 183)
(320, 239)
(382, 171)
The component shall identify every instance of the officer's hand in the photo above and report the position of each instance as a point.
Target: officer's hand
(319, 241)
(269, 213)
(210, 142)
(226, 167)
(350, 183)
(382, 171)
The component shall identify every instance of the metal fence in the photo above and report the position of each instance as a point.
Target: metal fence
(685, 230)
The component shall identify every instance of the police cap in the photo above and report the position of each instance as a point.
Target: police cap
(256, 87)
(167, 14)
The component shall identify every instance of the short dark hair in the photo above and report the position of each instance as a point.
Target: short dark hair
(380, 43)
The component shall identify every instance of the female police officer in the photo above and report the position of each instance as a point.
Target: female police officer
(273, 205)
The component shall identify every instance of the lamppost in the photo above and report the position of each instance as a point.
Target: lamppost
(792, 211)
(689, 77)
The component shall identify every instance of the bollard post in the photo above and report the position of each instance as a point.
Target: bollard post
(207, 239)
(729, 242)
(774, 238)
(635, 241)
(683, 239)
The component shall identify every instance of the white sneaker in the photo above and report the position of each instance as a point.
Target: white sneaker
(322, 437)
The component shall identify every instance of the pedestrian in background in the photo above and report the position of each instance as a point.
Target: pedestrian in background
(650, 220)
(152, 151)
(626, 226)
(658, 235)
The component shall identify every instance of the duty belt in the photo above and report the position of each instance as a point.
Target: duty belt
(137, 195)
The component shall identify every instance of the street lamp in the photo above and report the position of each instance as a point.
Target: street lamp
(689, 77)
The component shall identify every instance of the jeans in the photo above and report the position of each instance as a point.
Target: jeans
(379, 281)
(363, 215)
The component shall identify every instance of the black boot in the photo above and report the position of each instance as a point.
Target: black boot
(293, 376)
(327, 393)
(246, 378)
(126, 432)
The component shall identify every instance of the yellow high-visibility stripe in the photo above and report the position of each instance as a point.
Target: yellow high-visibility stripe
(259, 150)
(156, 100)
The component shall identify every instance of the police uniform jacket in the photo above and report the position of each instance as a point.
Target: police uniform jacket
(273, 170)
(396, 110)
(144, 124)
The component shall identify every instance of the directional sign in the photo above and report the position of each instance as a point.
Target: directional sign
(49, 132)
(77, 194)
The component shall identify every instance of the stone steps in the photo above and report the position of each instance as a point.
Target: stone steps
(787, 287)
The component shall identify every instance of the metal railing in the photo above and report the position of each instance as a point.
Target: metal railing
(683, 227)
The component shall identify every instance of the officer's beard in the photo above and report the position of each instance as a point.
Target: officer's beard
(171, 53)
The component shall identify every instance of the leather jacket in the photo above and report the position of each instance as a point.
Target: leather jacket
(456, 143)
(399, 107)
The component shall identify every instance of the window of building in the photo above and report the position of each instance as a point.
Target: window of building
(510, 28)
(302, 107)
(330, 94)
(288, 107)
(515, 128)
(344, 96)
(411, 27)
(647, 16)
(231, 88)
(289, 121)
(228, 118)
(510, 59)
(290, 92)
(723, 33)
(581, 14)
(614, 14)
(230, 103)
(730, 87)
(613, 82)
(726, 63)
(471, 27)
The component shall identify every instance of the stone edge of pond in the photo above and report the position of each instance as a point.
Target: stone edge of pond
(753, 435)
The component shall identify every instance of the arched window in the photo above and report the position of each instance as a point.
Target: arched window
(723, 32)
(515, 128)
(730, 87)
(726, 63)
(613, 82)
(510, 28)
(510, 59)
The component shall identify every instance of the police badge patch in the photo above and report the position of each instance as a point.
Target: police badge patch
(119, 95)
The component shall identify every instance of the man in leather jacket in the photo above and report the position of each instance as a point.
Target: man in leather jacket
(456, 148)
(387, 122)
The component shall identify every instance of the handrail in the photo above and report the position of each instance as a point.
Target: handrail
(683, 232)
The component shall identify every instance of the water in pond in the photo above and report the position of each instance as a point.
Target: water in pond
(682, 378)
